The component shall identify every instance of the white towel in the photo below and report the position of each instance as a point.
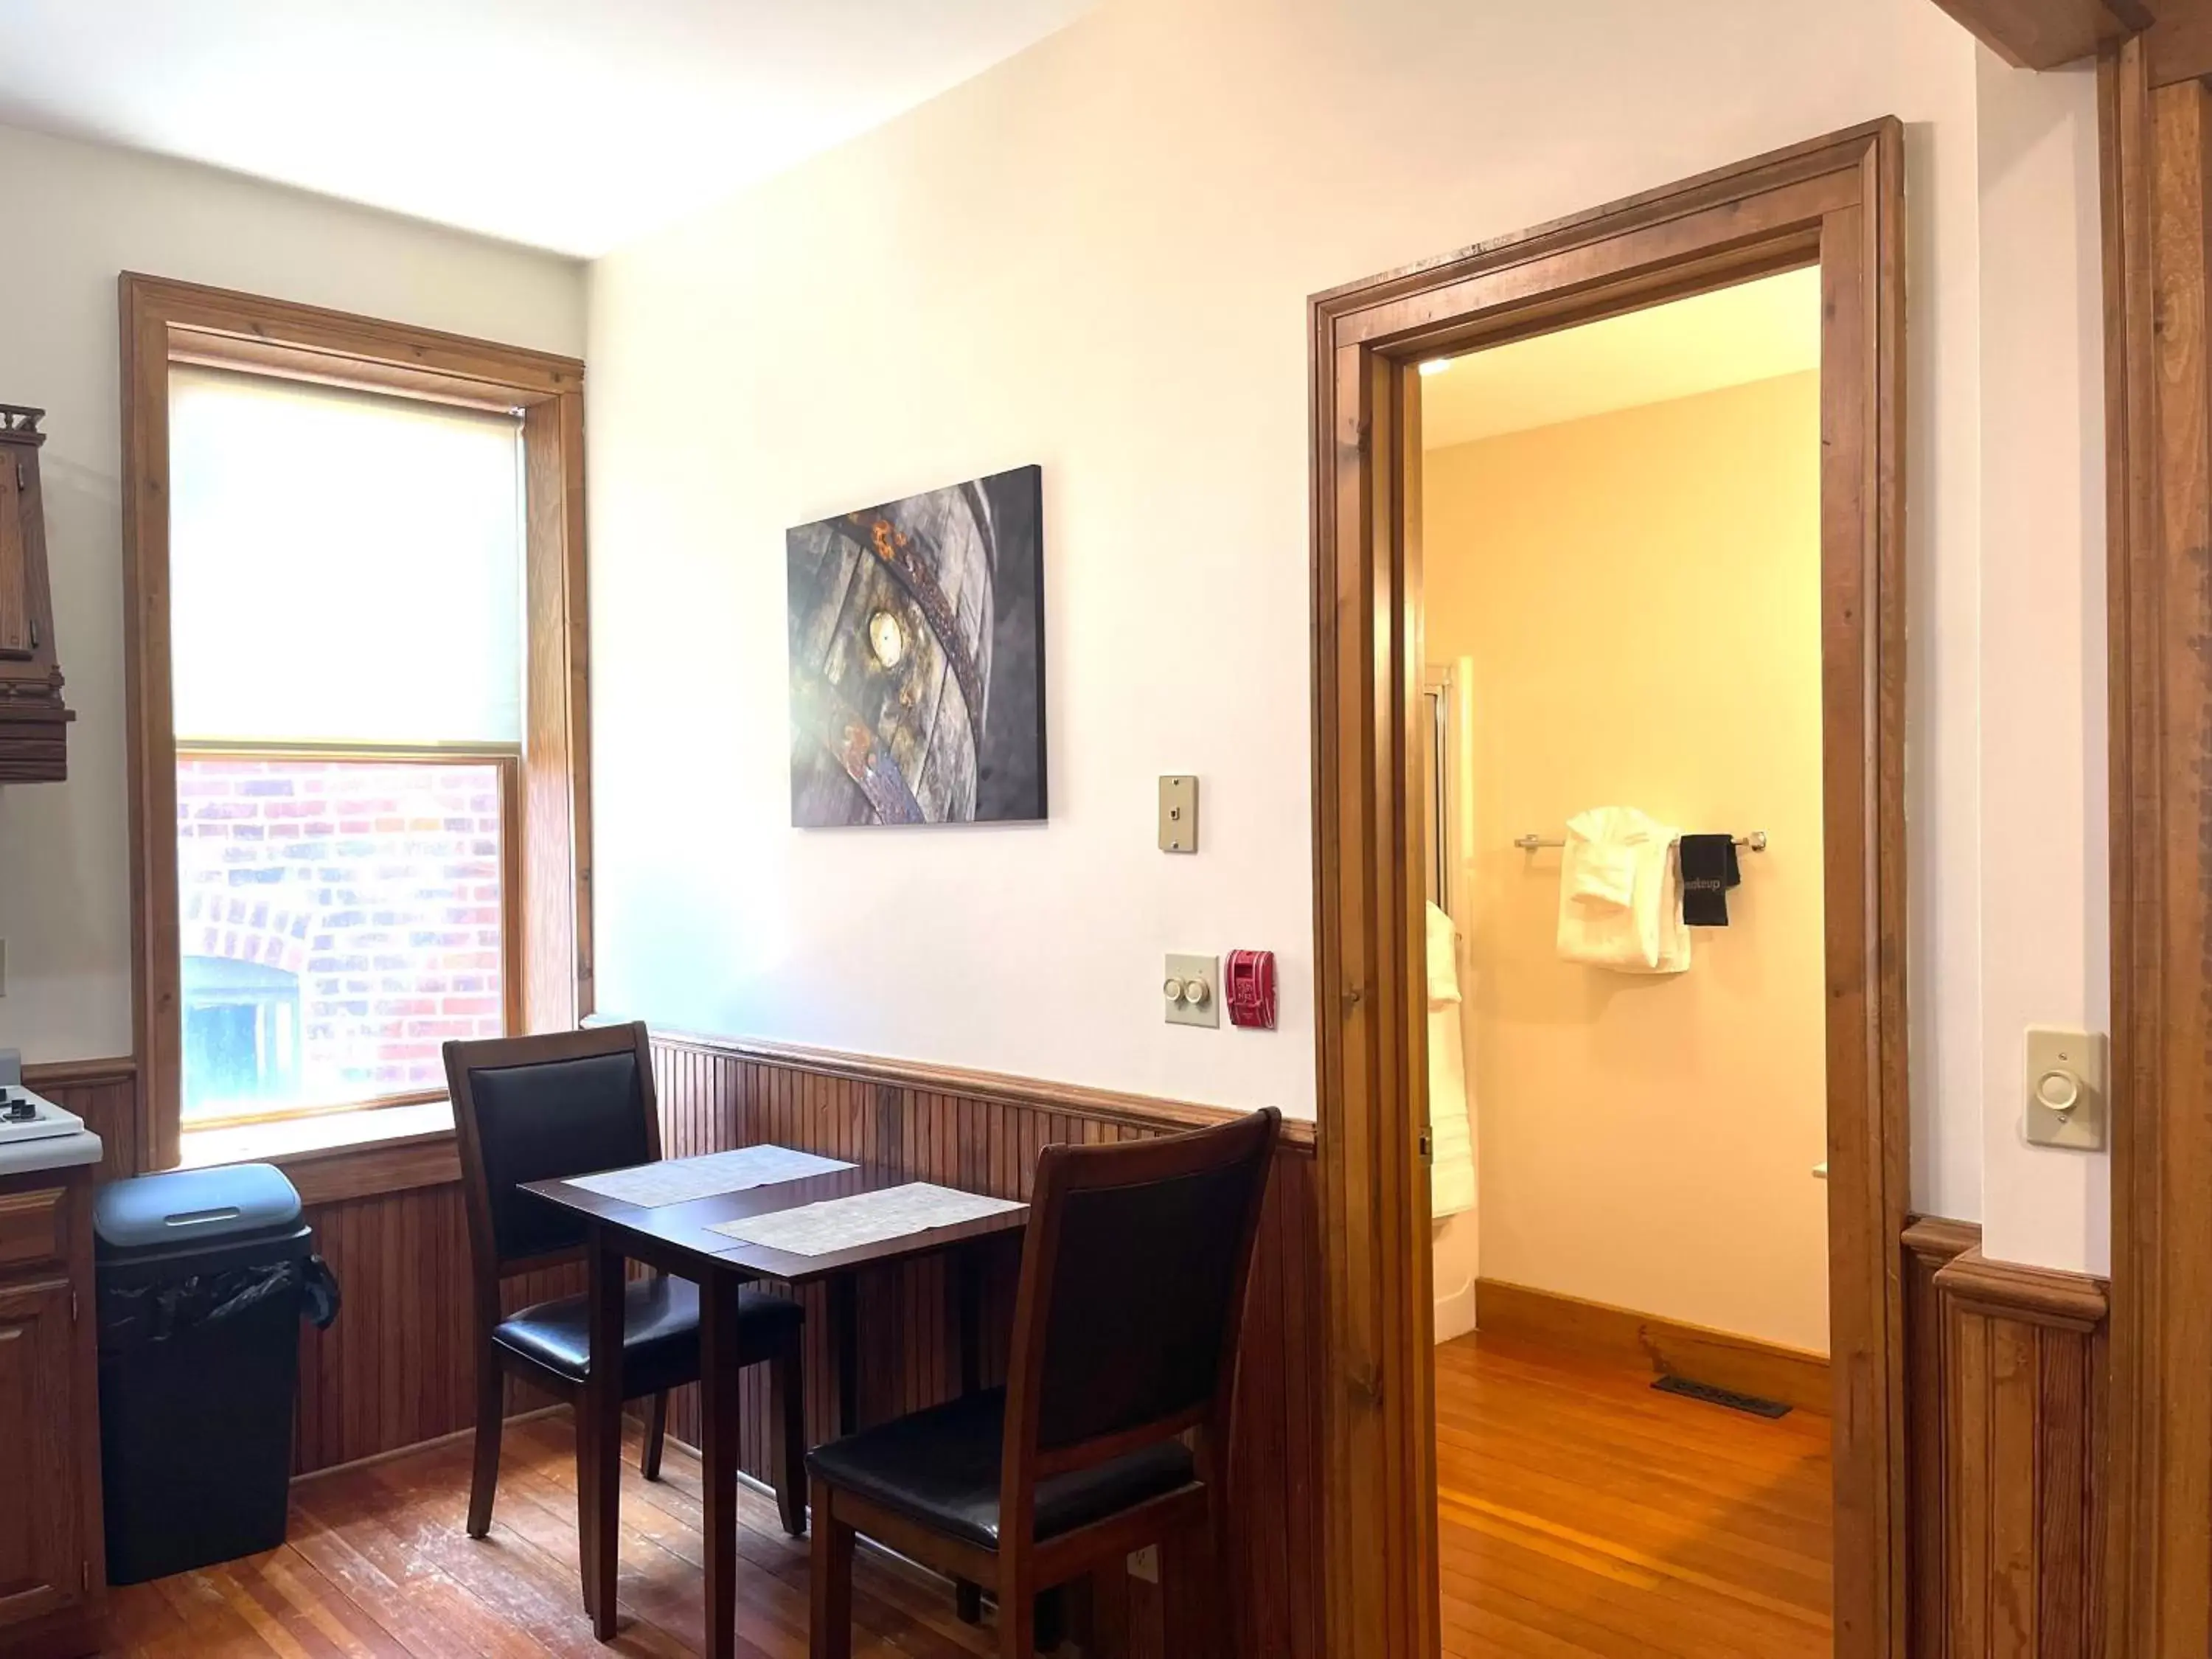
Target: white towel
(1452, 1134)
(1621, 893)
(1444, 959)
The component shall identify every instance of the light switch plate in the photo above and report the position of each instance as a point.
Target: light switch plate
(1178, 814)
(1196, 999)
(2065, 1086)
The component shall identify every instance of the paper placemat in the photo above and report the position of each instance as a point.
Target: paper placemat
(846, 1223)
(682, 1180)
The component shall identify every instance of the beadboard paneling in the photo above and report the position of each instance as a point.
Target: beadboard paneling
(984, 1133)
(2025, 1420)
(104, 1094)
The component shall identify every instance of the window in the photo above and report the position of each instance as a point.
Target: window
(345, 615)
(360, 811)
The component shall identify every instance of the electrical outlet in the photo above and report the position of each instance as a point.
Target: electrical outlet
(1145, 1563)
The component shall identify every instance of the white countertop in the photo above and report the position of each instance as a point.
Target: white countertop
(50, 1152)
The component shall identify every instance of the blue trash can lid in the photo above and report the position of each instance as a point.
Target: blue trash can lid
(187, 1206)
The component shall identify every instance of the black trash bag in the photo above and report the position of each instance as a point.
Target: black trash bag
(133, 1315)
(322, 1292)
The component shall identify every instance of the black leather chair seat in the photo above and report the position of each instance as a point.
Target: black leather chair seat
(940, 1467)
(660, 1332)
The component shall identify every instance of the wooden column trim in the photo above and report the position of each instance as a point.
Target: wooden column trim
(2157, 217)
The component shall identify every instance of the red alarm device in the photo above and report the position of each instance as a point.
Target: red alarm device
(1248, 987)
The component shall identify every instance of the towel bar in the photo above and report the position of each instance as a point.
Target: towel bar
(1756, 840)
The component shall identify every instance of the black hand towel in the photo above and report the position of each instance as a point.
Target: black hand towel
(1709, 870)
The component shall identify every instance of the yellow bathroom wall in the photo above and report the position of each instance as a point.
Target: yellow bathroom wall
(1637, 598)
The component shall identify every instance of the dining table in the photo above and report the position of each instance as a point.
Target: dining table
(680, 1238)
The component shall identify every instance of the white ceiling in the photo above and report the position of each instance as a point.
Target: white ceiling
(570, 124)
(1731, 336)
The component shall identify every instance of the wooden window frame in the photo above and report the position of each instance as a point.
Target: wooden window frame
(546, 854)
(1836, 202)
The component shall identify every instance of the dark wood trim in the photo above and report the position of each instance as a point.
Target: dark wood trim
(1838, 201)
(2157, 157)
(2024, 1368)
(378, 1169)
(51, 1077)
(1929, 1244)
(1074, 1099)
(2041, 35)
(163, 322)
(2010, 1290)
(1670, 1347)
(2180, 42)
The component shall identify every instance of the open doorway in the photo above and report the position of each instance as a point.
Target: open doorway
(1835, 205)
(1622, 837)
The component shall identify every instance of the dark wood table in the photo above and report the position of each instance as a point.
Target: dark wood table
(678, 1239)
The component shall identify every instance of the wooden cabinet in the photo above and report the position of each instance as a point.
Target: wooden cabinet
(52, 1586)
(33, 721)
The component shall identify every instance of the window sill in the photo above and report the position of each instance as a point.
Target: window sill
(343, 1156)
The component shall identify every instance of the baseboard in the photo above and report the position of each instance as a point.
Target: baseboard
(1668, 1347)
(1456, 1314)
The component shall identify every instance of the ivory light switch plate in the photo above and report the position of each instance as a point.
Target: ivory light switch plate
(1178, 815)
(1193, 990)
(2065, 1081)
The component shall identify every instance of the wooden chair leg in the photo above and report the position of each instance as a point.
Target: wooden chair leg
(829, 1620)
(1017, 1622)
(491, 1419)
(1194, 1598)
(787, 1409)
(656, 1434)
(968, 1601)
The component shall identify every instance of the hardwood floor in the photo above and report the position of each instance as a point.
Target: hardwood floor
(1582, 1516)
(378, 1564)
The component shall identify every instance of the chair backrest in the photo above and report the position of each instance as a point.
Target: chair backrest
(1131, 1297)
(536, 1107)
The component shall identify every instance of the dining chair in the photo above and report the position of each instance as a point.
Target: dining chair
(1112, 1433)
(571, 1103)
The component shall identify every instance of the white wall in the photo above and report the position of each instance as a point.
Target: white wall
(75, 215)
(2046, 939)
(1097, 257)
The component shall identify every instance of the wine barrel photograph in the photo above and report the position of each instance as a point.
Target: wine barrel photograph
(917, 659)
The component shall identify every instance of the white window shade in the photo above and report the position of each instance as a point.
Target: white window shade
(343, 566)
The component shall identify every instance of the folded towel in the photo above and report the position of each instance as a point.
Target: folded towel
(1644, 935)
(1709, 870)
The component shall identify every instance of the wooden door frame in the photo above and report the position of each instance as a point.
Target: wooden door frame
(1837, 201)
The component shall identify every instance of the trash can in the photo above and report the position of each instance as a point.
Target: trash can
(204, 1277)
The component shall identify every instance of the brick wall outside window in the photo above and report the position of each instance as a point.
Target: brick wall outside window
(377, 884)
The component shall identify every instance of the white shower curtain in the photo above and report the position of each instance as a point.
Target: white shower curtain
(1451, 1135)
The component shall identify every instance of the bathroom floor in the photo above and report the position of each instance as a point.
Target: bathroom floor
(1581, 1513)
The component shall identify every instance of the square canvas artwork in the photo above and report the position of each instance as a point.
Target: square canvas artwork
(917, 659)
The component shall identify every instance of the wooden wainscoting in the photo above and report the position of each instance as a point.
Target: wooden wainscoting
(104, 1094)
(2008, 1416)
(2006, 1365)
(984, 1132)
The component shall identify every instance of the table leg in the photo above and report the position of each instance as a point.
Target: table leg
(845, 1338)
(968, 1267)
(598, 1435)
(719, 1362)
